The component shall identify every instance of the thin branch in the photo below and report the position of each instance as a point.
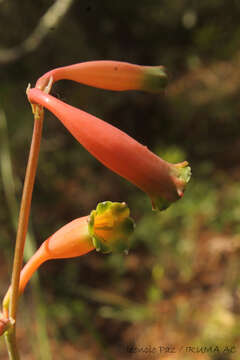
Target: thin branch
(24, 212)
(48, 21)
(11, 299)
(6, 173)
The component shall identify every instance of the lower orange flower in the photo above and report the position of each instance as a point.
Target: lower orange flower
(107, 229)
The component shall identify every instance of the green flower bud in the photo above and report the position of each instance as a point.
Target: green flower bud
(110, 227)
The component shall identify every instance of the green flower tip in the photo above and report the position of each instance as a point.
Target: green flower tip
(155, 79)
(110, 227)
(181, 173)
(184, 173)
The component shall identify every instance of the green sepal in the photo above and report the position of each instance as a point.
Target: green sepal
(155, 79)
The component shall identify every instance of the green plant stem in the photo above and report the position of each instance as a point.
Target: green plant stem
(10, 339)
(41, 347)
(25, 211)
(22, 229)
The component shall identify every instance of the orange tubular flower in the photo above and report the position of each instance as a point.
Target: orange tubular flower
(110, 75)
(162, 181)
(107, 229)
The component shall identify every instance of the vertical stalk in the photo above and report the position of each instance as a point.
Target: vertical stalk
(41, 345)
(22, 230)
(10, 340)
(25, 211)
(10, 301)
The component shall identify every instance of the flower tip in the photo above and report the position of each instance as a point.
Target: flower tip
(184, 172)
(181, 174)
(110, 227)
(155, 79)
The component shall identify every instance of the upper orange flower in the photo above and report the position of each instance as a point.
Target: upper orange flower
(110, 75)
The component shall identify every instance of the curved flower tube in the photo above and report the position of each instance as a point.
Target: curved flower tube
(110, 75)
(107, 229)
(162, 181)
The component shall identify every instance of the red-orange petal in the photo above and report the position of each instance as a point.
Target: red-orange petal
(110, 75)
(119, 152)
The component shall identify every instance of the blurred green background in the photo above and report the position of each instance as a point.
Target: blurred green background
(179, 286)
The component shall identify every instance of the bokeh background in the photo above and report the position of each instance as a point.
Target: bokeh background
(179, 286)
